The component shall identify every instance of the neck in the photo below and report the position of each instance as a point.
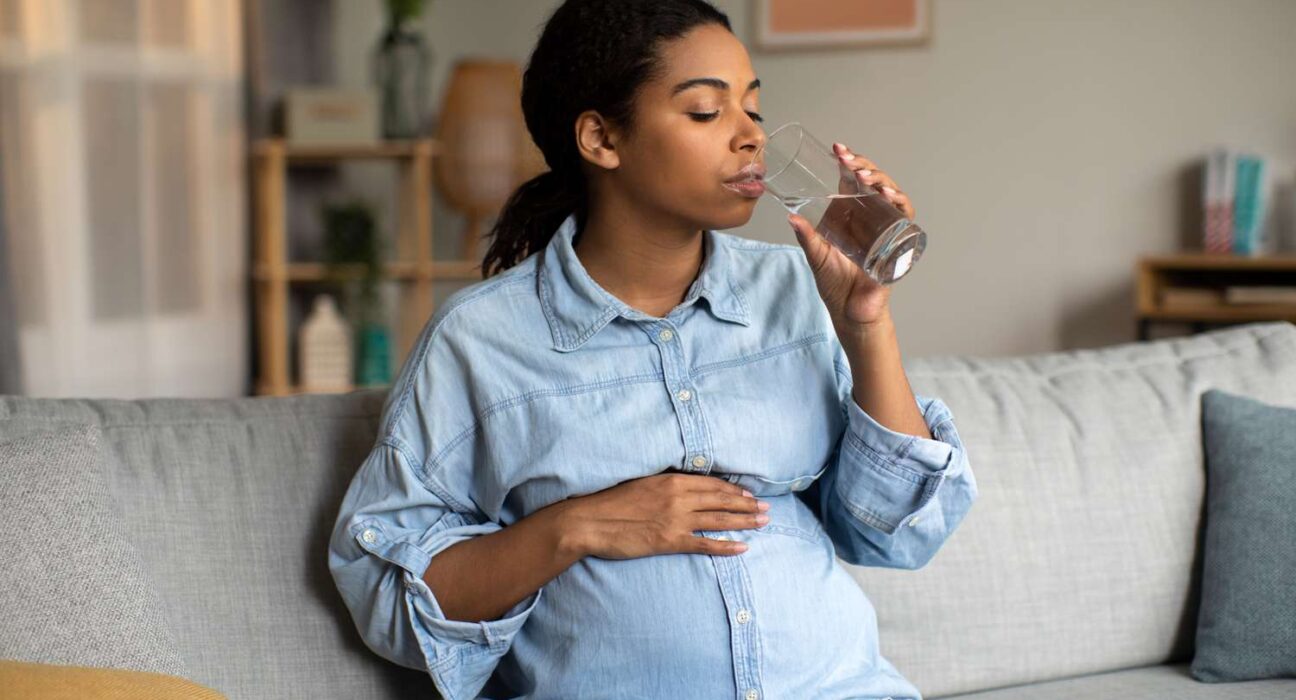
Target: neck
(647, 263)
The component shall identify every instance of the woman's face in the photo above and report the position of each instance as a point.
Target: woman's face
(697, 126)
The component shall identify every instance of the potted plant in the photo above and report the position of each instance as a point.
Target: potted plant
(353, 258)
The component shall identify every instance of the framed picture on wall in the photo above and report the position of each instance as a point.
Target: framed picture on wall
(812, 24)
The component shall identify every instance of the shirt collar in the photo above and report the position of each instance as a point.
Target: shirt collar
(576, 307)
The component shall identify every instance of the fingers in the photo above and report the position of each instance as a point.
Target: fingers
(868, 174)
(710, 545)
(715, 520)
(719, 501)
(817, 251)
(710, 483)
(855, 160)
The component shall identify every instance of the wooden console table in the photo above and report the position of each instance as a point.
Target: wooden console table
(1208, 274)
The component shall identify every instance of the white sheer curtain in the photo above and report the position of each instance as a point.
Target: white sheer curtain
(122, 131)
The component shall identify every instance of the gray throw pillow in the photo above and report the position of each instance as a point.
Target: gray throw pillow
(1246, 626)
(72, 588)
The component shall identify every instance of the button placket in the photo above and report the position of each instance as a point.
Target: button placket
(684, 398)
(735, 589)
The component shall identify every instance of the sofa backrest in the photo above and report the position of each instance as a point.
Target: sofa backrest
(231, 503)
(1082, 553)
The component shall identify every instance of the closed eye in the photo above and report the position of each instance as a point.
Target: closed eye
(708, 116)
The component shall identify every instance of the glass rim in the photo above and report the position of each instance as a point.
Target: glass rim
(801, 136)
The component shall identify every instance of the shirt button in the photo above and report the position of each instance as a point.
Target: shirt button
(743, 617)
(684, 395)
(913, 521)
(666, 335)
(752, 694)
(699, 461)
(722, 538)
(369, 536)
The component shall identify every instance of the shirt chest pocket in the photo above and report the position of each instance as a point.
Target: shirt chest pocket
(761, 486)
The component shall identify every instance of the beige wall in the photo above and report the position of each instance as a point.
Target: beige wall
(1045, 143)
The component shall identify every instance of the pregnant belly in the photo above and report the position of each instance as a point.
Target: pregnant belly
(660, 625)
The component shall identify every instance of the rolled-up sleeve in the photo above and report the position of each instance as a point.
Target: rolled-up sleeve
(891, 499)
(391, 524)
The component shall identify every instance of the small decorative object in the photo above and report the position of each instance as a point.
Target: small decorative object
(812, 24)
(400, 68)
(486, 151)
(324, 349)
(320, 116)
(374, 368)
(353, 253)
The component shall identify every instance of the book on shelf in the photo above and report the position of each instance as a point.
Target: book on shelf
(1260, 294)
(1217, 202)
(1236, 199)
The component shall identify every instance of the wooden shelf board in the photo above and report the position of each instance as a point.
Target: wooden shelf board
(361, 151)
(456, 270)
(1220, 261)
(264, 389)
(1239, 312)
(317, 272)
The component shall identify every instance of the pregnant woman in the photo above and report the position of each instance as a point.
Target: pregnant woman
(625, 463)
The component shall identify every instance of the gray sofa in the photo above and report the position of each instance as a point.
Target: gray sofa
(1076, 574)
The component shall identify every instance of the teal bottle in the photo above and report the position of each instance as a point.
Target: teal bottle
(373, 358)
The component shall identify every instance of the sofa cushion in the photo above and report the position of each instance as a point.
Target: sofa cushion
(72, 589)
(1082, 552)
(231, 502)
(35, 681)
(1246, 628)
(1163, 682)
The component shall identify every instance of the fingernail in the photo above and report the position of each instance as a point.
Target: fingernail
(747, 493)
(763, 505)
(864, 173)
(839, 145)
(762, 519)
(888, 190)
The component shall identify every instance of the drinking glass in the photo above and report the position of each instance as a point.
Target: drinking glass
(807, 178)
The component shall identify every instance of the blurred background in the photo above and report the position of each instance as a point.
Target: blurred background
(225, 197)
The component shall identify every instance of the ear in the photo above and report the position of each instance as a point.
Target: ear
(596, 141)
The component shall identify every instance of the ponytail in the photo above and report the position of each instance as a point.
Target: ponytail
(531, 216)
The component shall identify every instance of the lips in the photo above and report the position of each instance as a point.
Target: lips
(749, 181)
(747, 188)
(749, 172)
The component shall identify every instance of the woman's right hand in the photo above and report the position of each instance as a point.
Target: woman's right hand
(658, 514)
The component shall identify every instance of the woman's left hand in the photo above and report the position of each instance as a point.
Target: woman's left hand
(854, 299)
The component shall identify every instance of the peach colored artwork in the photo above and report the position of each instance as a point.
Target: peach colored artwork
(802, 24)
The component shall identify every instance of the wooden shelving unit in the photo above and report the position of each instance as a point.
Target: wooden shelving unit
(273, 273)
(1210, 272)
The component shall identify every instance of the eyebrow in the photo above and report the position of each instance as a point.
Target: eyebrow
(713, 82)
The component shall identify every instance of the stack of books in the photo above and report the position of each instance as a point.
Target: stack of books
(1236, 193)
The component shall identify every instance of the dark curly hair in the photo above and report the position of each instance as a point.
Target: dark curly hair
(592, 55)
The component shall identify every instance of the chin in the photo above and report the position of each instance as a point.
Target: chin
(733, 216)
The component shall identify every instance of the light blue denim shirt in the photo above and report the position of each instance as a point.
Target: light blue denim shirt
(538, 385)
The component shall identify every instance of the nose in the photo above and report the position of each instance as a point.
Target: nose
(752, 140)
